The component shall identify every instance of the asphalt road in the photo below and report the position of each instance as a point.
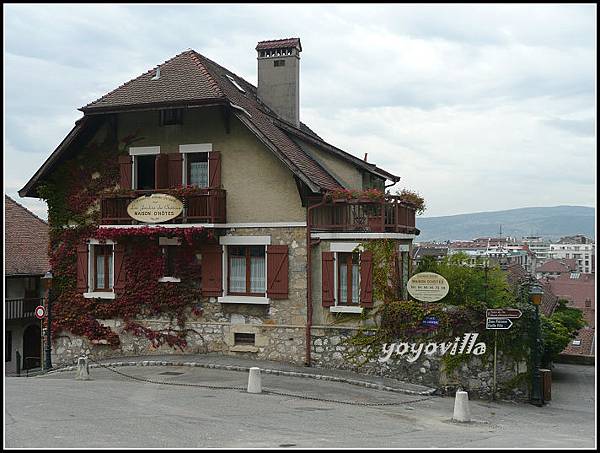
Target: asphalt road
(114, 411)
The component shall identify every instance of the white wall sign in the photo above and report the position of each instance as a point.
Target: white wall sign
(428, 287)
(155, 208)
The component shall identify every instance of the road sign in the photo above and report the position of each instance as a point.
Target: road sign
(503, 313)
(498, 323)
(40, 312)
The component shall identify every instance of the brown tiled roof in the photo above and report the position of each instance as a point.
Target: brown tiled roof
(279, 44)
(576, 290)
(586, 336)
(182, 80)
(25, 241)
(559, 266)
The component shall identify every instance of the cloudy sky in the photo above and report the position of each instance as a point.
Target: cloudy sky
(478, 108)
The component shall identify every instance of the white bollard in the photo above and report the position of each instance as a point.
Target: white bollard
(254, 384)
(462, 413)
(83, 369)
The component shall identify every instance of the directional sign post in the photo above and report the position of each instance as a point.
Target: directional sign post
(498, 323)
(503, 313)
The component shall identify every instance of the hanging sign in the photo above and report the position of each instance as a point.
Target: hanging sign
(155, 208)
(427, 287)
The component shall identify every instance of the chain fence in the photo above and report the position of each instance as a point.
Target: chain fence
(265, 390)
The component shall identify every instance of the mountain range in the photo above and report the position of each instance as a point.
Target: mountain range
(548, 222)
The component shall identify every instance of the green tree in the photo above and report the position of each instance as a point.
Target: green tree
(559, 329)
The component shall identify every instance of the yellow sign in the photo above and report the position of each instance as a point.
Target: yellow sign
(428, 287)
(155, 208)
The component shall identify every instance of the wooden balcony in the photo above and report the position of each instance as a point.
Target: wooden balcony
(206, 206)
(21, 308)
(386, 215)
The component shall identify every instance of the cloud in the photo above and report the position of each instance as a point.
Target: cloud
(477, 107)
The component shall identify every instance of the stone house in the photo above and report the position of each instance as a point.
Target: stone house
(254, 249)
(25, 262)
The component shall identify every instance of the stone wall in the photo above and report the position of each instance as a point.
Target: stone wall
(474, 374)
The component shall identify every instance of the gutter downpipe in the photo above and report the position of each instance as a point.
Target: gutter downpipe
(309, 305)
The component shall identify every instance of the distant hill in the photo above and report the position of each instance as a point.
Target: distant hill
(552, 223)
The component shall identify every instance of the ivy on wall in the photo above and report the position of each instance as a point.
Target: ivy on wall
(472, 291)
(72, 193)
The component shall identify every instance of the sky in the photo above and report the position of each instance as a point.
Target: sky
(476, 107)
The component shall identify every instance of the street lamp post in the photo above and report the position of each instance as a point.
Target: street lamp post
(47, 278)
(535, 293)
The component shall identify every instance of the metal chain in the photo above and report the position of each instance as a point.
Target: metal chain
(266, 390)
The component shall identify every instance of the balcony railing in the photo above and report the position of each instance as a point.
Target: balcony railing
(21, 308)
(389, 215)
(207, 206)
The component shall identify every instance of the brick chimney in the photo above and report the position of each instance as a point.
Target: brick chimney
(279, 77)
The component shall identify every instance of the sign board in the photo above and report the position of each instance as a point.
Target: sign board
(427, 287)
(498, 323)
(503, 313)
(40, 312)
(155, 208)
(430, 321)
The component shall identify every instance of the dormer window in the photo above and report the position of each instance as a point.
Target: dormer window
(171, 116)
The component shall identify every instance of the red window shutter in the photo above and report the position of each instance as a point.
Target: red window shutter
(212, 270)
(328, 269)
(82, 267)
(125, 169)
(214, 169)
(366, 279)
(277, 271)
(119, 284)
(161, 171)
(175, 169)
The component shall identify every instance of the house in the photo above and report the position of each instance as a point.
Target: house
(193, 210)
(25, 262)
(554, 268)
(437, 253)
(517, 277)
(578, 248)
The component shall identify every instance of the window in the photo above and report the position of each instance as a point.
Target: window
(246, 270)
(102, 266)
(278, 63)
(197, 169)
(348, 278)
(171, 116)
(243, 339)
(576, 342)
(145, 172)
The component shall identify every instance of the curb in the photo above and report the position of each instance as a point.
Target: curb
(266, 371)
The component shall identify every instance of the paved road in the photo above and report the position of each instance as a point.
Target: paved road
(114, 411)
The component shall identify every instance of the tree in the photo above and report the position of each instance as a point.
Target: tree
(559, 329)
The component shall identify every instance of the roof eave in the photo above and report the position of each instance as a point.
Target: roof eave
(372, 168)
(190, 103)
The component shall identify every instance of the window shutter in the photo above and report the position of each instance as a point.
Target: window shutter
(328, 269)
(366, 279)
(175, 169)
(277, 271)
(212, 270)
(119, 280)
(161, 169)
(214, 169)
(82, 267)
(125, 169)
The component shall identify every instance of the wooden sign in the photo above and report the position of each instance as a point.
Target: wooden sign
(155, 208)
(428, 287)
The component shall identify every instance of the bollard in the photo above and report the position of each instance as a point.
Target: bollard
(83, 369)
(462, 413)
(254, 384)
